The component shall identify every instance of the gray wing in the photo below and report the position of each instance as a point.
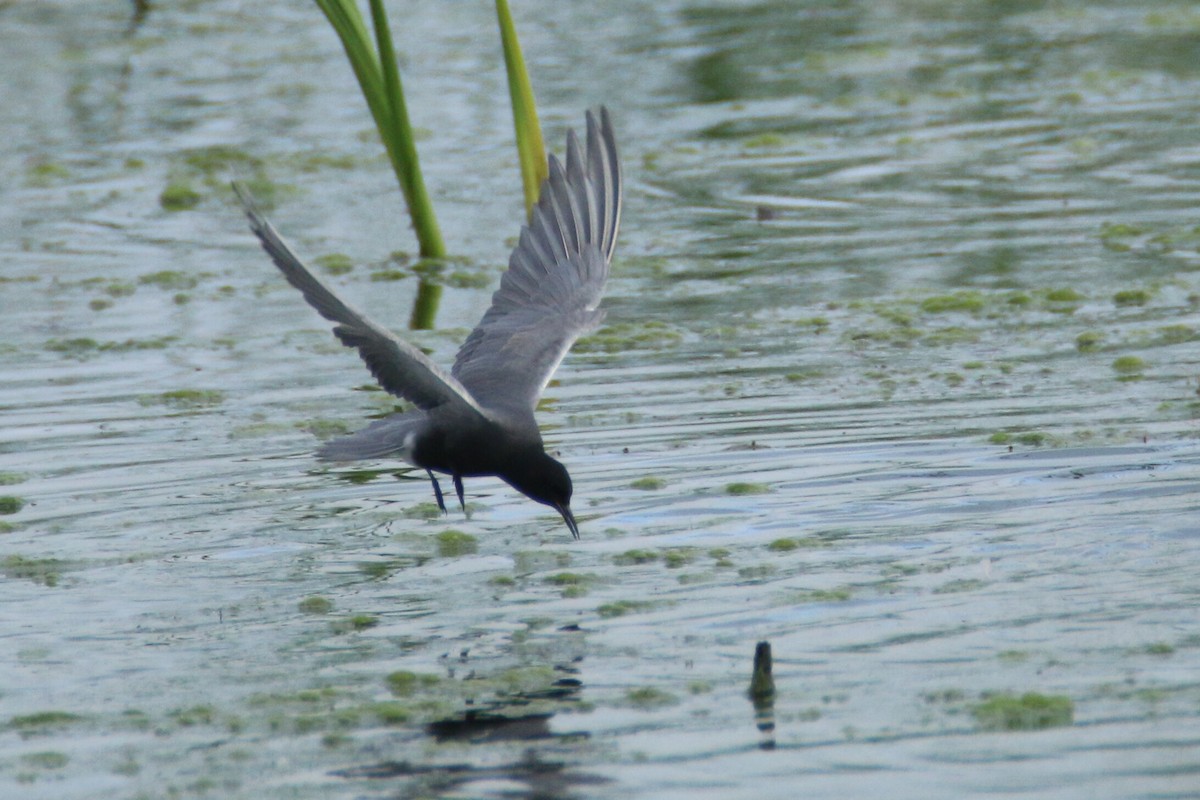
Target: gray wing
(399, 367)
(551, 292)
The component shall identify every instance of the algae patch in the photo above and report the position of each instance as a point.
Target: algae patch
(316, 605)
(788, 543)
(1128, 366)
(42, 722)
(405, 684)
(45, 571)
(1131, 297)
(455, 543)
(1028, 712)
(630, 557)
(83, 346)
(962, 302)
(622, 337)
(648, 484)
(170, 280)
(622, 607)
(743, 488)
(184, 398)
(179, 195)
(334, 263)
(1088, 341)
(649, 698)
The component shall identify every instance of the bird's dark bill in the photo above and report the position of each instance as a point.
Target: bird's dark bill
(570, 518)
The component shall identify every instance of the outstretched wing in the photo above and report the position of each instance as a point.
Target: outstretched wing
(551, 292)
(399, 367)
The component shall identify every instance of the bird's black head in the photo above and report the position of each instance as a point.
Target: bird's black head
(543, 479)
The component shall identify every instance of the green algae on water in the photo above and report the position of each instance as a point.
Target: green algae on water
(381, 275)
(637, 556)
(622, 607)
(1176, 334)
(964, 585)
(1116, 236)
(193, 715)
(325, 428)
(649, 698)
(625, 336)
(316, 605)
(742, 488)
(1131, 297)
(45, 173)
(824, 596)
(45, 571)
(355, 622)
(678, 557)
(1063, 295)
(568, 579)
(334, 263)
(1088, 341)
(46, 759)
(1128, 365)
(42, 721)
(83, 346)
(452, 543)
(74, 347)
(423, 510)
(1029, 438)
(405, 684)
(648, 484)
(179, 196)
(1028, 712)
(963, 302)
(184, 398)
(171, 279)
(10, 504)
(377, 570)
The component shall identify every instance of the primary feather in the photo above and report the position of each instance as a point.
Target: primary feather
(550, 294)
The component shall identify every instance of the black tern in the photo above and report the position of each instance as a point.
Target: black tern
(478, 419)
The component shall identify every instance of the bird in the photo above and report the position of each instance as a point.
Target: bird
(478, 419)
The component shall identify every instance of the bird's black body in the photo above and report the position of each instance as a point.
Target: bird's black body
(478, 419)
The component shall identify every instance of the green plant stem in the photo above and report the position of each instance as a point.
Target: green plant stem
(380, 82)
(531, 150)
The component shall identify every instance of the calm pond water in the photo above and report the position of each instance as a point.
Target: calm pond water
(900, 375)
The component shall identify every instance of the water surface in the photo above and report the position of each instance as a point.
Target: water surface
(922, 278)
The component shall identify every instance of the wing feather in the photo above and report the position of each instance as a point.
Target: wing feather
(550, 294)
(399, 367)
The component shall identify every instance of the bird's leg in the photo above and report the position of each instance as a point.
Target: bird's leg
(437, 491)
(458, 488)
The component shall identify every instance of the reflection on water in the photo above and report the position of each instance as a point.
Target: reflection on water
(900, 375)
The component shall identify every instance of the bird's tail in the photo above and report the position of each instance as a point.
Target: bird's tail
(392, 437)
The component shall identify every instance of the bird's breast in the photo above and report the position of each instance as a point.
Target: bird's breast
(471, 449)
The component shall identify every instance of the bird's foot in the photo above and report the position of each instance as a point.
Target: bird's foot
(458, 487)
(437, 491)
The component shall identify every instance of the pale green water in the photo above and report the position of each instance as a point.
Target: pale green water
(974, 216)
